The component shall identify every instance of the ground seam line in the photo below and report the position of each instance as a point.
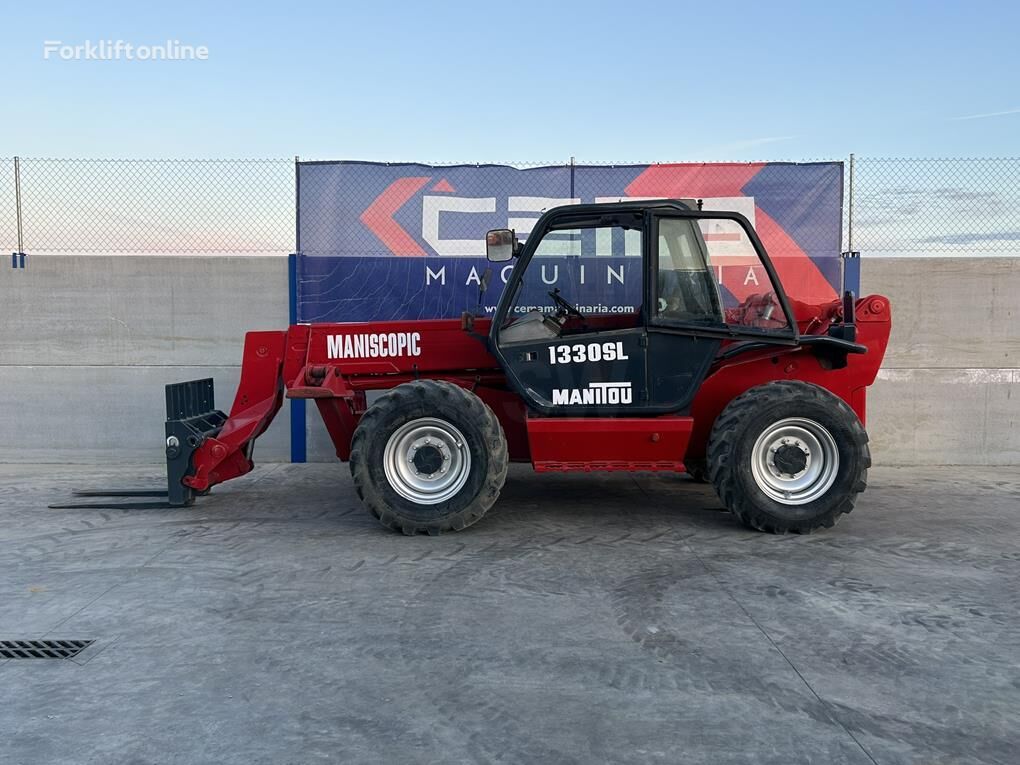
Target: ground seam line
(112, 587)
(768, 637)
(686, 543)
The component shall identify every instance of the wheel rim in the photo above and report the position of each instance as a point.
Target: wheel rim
(795, 461)
(427, 461)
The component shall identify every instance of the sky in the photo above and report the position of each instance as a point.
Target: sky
(522, 81)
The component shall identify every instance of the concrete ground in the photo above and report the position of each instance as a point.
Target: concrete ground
(587, 619)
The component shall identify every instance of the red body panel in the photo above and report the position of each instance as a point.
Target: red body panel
(604, 443)
(336, 364)
(440, 345)
(436, 349)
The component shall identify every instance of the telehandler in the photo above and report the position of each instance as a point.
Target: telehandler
(652, 363)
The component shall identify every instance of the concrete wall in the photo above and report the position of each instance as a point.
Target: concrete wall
(949, 390)
(91, 340)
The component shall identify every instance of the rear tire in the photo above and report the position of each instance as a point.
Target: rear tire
(428, 457)
(788, 456)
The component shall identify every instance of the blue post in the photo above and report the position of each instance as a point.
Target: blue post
(852, 272)
(852, 257)
(298, 436)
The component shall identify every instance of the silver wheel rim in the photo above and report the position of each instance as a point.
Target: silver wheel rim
(810, 444)
(414, 449)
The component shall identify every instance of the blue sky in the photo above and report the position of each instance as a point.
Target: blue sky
(520, 81)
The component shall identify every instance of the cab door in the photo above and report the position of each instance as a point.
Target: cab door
(570, 327)
(710, 281)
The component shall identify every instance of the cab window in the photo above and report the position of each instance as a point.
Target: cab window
(686, 286)
(580, 279)
(708, 273)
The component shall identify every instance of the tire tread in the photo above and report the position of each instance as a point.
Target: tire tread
(415, 395)
(729, 429)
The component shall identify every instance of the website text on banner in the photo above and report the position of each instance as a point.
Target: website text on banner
(384, 242)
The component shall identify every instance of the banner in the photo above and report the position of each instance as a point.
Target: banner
(406, 241)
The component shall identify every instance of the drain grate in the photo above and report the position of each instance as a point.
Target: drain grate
(42, 649)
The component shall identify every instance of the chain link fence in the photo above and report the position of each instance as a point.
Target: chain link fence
(891, 207)
(934, 206)
(8, 207)
(157, 206)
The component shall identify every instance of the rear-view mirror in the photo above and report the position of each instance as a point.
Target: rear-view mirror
(499, 245)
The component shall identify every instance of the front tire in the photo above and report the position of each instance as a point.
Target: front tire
(428, 457)
(788, 456)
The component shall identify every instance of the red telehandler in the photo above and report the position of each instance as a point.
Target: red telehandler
(763, 396)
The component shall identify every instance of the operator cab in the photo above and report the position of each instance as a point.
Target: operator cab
(619, 309)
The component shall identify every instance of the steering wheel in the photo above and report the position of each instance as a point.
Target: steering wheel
(564, 304)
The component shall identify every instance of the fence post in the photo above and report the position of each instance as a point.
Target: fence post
(18, 258)
(851, 258)
(298, 431)
(850, 210)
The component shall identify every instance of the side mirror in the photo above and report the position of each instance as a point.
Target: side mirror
(499, 245)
